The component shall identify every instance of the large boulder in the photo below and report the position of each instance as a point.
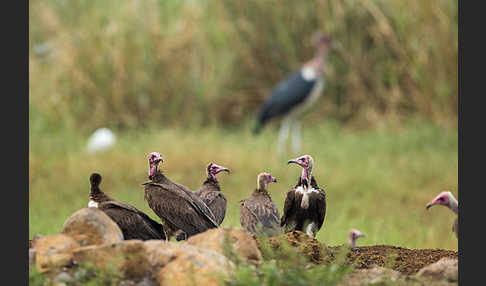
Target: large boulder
(53, 251)
(376, 275)
(128, 258)
(227, 241)
(191, 265)
(446, 269)
(91, 226)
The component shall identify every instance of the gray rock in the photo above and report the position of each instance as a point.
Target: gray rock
(63, 277)
(444, 269)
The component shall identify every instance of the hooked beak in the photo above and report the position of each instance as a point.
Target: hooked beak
(296, 162)
(224, 169)
(274, 179)
(429, 205)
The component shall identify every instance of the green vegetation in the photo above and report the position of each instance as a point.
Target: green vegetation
(131, 64)
(185, 78)
(377, 181)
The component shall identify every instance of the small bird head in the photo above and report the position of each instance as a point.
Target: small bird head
(445, 198)
(304, 161)
(354, 234)
(154, 160)
(95, 179)
(264, 179)
(320, 39)
(214, 169)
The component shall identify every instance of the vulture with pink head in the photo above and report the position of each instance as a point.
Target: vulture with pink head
(258, 213)
(134, 223)
(182, 212)
(354, 234)
(448, 200)
(305, 204)
(210, 192)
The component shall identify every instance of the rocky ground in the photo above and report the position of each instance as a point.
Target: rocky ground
(91, 239)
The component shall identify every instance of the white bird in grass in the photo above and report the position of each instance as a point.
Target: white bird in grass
(102, 139)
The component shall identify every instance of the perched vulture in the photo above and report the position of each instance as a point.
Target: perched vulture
(305, 204)
(210, 192)
(134, 223)
(354, 234)
(258, 213)
(181, 211)
(447, 199)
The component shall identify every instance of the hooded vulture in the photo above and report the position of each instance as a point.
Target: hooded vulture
(134, 223)
(305, 204)
(181, 211)
(258, 213)
(210, 192)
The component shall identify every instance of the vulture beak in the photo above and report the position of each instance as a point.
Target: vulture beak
(429, 205)
(273, 179)
(296, 162)
(224, 169)
(293, 161)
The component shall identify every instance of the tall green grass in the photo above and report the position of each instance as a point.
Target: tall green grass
(376, 180)
(133, 63)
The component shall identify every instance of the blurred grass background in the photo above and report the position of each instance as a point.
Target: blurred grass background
(185, 78)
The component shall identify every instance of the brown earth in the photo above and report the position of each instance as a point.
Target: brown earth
(407, 261)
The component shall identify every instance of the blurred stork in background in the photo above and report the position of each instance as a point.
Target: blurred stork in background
(295, 94)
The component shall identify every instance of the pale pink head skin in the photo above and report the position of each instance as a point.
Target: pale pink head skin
(354, 234)
(214, 169)
(307, 163)
(154, 160)
(264, 179)
(445, 198)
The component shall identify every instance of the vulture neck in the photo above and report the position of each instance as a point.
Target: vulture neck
(98, 196)
(453, 205)
(210, 180)
(306, 174)
(261, 186)
(157, 177)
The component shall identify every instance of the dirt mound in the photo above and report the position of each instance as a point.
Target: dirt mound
(407, 261)
(404, 260)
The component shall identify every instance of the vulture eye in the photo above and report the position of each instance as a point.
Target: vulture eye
(441, 199)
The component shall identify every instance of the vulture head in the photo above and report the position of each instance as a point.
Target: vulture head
(95, 179)
(307, 163)
(354, 234)
(445, 198)
(214, 169)
(154, 160)
(264, 179)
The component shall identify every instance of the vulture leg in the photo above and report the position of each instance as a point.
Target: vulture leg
(296, 139)
(283, 134)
